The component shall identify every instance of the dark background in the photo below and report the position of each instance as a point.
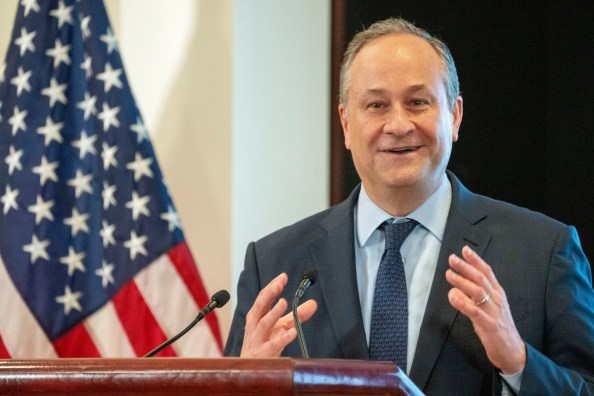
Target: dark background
(526, 72)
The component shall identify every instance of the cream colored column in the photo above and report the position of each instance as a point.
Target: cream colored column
(281, 124)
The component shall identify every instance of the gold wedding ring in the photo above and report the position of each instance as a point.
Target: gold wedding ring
(484, 300)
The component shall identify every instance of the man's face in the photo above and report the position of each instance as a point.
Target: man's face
(398, 124)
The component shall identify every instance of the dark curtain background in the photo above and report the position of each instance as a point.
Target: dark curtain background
(526, 72)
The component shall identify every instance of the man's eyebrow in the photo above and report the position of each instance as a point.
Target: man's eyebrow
(411, 89)
(374, 91)
(417, 88)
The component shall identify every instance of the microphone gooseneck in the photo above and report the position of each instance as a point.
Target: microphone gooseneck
(218, 300)
(309, 278)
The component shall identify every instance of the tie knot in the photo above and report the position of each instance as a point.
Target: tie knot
(396, 233)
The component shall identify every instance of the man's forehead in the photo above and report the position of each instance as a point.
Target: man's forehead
(411, 89)
(388, 54)
(394, 57)
(397, 41)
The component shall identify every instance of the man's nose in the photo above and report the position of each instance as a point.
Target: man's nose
(398, 121)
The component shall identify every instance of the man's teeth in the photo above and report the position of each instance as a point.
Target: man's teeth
(400, 150)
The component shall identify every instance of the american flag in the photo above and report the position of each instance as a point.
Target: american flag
(93, 261)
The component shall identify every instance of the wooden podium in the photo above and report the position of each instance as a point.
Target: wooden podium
(224, 376)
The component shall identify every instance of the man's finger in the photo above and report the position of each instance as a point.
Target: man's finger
(477, 262)
(304, 312)
(468, 271)
(264, 301)
(460, 301)
(267, 323)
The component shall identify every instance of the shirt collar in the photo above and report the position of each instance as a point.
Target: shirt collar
(432, 214)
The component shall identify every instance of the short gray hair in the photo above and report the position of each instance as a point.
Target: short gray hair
(398, 26)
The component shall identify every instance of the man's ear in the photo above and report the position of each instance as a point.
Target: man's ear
(457, 112)
(344, 121)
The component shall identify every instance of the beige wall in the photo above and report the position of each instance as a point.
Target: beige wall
(7, 13)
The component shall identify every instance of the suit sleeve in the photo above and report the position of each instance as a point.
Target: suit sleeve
(248, 288)
(565, 363)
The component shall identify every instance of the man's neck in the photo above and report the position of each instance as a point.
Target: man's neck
(403, 200)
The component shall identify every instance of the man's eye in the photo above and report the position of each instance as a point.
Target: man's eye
(418, 102)
(375, 105)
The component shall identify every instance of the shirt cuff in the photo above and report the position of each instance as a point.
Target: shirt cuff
(512, 381)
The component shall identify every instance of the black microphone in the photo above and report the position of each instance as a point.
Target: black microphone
(309, 278)
(217, 300)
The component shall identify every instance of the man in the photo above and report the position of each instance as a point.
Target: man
(497, 298)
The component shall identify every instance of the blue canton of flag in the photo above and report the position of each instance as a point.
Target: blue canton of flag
(83, 206)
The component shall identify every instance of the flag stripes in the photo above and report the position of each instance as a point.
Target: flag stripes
(119, 328)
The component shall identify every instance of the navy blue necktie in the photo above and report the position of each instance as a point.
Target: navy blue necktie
(388, 339)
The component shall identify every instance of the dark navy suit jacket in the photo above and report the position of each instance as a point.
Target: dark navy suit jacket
(537, 260)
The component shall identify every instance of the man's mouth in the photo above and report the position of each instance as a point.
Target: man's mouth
(401, 150)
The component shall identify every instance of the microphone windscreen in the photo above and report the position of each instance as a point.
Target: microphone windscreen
(221, 297)
(312, 274)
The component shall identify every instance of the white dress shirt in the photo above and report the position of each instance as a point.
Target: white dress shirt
(419, 254)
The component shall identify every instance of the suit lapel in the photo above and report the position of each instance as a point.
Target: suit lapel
(439, 314)
(334, 258)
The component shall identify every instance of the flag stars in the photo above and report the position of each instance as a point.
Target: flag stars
(108, 156)
(21, 82)
(37, 249)
(59, 53)
(140, 130)
(41, 209)
(86, 66)
(108, 195)
(63, 14)
(46, 170)
(51, 131)
(55, 92)
(77, 222)
(108, 116)
(25, 41)
(74, 261)
(13, 160)
(105, 272)
(109, 39)
(30, 5)
(84, 26)
(70, 300)
(136, 245)
(106, 233)
(81, 183)
(140, 166)
(85, 144)
(9, 199)
(88, 105)
(18, 120)
(171, 218)
(110, 77)
(138, 205)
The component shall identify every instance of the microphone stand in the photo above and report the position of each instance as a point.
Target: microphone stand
(300, 337)
(309, 279)
(219, 299)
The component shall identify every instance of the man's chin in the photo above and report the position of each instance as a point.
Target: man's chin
(412, 178)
